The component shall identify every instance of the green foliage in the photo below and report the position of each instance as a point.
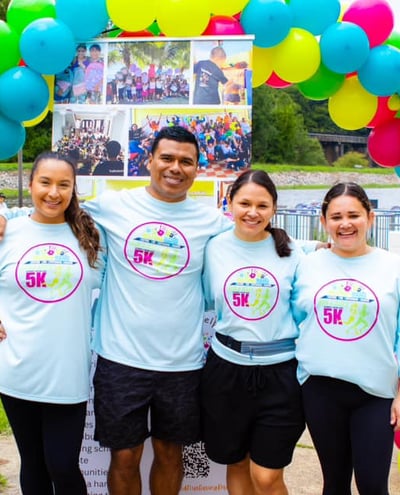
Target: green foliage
(4, 426)
(279, 134)
(350, 159)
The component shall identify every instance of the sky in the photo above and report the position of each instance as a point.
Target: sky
(395, 5)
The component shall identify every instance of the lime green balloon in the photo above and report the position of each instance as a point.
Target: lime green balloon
(393, 40)
(263, 65)
(183, 17)
(228, 7)
(323, 84)
(297, 57)
(131, 16)
(20, 13)
(352, 107)
(9, 47)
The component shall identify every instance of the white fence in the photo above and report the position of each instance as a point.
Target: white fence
(306, 225)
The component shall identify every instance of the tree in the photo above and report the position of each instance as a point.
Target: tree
(279, 134)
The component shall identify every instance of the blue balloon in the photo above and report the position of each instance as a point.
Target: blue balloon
(269, 20)
(314, 15)
(24, 94)
(344, 47)
(86, 18)
(380, 75)
(12, 137)
(47, 45)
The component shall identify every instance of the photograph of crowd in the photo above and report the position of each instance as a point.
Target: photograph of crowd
(224, 137)
(92, 139)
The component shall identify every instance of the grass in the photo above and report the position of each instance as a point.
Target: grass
(4, 426)
(4, 429)
(270, 168)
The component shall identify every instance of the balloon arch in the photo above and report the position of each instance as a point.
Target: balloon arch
(346, 54)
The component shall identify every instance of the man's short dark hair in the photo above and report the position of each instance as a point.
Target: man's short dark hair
(2, 195)
(113, 148)
(175, 133)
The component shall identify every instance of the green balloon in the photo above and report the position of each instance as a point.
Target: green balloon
(9, 47)
(20, 13)
(323, 84)
(393, 40)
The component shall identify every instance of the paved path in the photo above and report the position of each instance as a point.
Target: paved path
(303, 476)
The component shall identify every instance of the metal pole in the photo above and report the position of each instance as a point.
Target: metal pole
(20, 179)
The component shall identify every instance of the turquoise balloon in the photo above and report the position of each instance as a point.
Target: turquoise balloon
(344, 47)
(24, 94)
(323, 84)
(12, 137)
(380, 75)
(86, 18)
(314, 15)
(47, 45)
(269, 20)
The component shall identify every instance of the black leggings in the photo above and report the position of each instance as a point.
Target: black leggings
(49, 438)
(351, 431)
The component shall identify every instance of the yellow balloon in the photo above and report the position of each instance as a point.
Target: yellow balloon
(297, 57)
(262, 65)
(36, 120)
(132, 15)
(50, 83)
(352, 107)
(394, 102)
(183, 17)
(228, 7)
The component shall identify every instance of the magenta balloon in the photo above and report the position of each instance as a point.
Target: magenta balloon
(223, 25)
(374, 16)
(384, 144)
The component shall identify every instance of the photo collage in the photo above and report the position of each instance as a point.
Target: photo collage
(116, 94)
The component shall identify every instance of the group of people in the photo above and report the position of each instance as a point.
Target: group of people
(299, 338)
(94, 152)
(152, 86)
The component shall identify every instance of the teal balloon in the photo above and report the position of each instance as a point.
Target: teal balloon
(322, 85)
(397, 171)
(86, 18)
(269, 20)
(12, 137)
(380, 75)
(24, 94)
(344, 47)
(314, 15)
(47, 45)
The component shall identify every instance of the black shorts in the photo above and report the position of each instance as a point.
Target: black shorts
(123, 397)
(251, 410)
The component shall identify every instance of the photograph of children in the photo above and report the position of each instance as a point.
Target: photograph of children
(148, 72)
(224, 138)
(82, 81)
(222, 72)
(92, 137)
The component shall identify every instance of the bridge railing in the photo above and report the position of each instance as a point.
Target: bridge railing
(306, 225)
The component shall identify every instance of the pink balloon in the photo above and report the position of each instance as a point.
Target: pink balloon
(276, 82)
(383, 113)
(223, 25)
(397, 438)
(384, 144)
(374, 16)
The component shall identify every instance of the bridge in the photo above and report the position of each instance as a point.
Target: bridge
(336, 145)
